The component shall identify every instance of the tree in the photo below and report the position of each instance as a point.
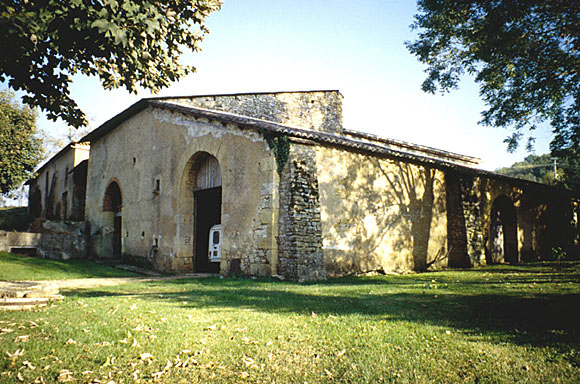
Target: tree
(534, 168)
(128, 43)
(20, 149)
(525, 54)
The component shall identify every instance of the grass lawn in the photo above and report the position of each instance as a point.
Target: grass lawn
(501, 324)
(18, 267)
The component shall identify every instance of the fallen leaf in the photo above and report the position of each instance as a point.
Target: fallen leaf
(19, 376)
(341, 353)
(70, 341)
(133, 307)
(145, 356)
(212, 327)
(248, 361)
(28, 365)
(22, 339)
(65, 375)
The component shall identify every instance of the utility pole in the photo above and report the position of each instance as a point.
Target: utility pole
(555, 168)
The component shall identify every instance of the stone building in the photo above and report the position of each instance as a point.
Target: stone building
(295, 194)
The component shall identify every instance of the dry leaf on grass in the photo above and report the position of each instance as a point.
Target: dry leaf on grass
(22, 339)
(65, 375)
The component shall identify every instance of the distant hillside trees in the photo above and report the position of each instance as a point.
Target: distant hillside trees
(541, 170)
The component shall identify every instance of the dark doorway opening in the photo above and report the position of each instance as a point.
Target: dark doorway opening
(113, 203)
(208, 210)
(503, 232)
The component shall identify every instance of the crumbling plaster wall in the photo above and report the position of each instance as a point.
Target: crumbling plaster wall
(378, 213)
(157, 226)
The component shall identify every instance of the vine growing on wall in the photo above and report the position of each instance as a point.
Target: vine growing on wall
(280, 145)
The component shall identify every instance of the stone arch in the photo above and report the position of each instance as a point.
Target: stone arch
(112, 216)
(200, 205)
(503, 241)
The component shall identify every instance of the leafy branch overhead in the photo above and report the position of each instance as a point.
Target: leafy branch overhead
(127, 43)
(524, 54)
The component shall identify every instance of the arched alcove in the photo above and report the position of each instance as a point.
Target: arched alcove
(112, 216)
(200, 200)
(503, 241)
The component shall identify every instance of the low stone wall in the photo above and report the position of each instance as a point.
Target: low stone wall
(48, 244)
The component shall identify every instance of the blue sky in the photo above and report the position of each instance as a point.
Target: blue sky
(356, 47)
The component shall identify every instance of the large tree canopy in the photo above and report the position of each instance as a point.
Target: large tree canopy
(525, 54)
(129, 43)
(20, 149)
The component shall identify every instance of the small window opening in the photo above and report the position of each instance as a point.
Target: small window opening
(156, 242)
(143, 235)
(134, 161)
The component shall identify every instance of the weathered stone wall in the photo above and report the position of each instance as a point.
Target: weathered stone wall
(464, 220)
(158, 224)
(318, 110)
(59, 246)
(300, 240)
(540, 212)
(54, 193)
(379, 213)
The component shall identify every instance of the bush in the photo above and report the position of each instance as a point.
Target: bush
(15, 219)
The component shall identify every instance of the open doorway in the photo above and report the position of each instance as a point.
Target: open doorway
(207, 210)
(207, 214)
(112, 210)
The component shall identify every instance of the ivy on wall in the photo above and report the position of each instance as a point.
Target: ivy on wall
(280, 145)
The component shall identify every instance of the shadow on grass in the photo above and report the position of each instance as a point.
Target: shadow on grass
(538, 319)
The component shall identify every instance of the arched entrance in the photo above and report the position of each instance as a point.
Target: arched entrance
(204, 190)
(112, 211)
(503, 241)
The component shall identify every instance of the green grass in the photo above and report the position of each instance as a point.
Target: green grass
(19, 267)
(504, 324)
(15, 219)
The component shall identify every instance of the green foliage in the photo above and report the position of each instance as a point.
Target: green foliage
(20, 149)
(534, 168)
(541, 170)
(15, 219)
(524, 54)
(129, 43)
(280, 145)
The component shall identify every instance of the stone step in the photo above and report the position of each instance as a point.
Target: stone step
(22, 303)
